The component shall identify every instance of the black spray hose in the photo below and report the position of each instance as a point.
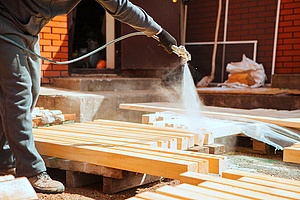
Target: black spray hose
(180, 51)
(76, 59)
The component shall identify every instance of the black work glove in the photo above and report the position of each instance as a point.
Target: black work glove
(166, 41)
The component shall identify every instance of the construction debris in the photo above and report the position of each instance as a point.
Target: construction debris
(45, 117)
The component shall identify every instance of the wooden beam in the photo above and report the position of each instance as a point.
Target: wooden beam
(290, 120)
(236, 174)
(184, 140)
(270, 184)
(183, 194)
(238, 191)
(217, 164)
(210, 192)
(130, 161)
(202, 163)
(192, 178)
(153, 195)
(291, 154)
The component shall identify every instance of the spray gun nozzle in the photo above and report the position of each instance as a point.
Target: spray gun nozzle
(181, 52)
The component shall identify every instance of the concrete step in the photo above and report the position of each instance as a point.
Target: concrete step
(89, 106)
(106, 83)
(251, 98)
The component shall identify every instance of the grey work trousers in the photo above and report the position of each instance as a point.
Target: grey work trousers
(19, 88)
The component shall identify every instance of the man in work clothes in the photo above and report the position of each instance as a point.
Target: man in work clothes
(22, 21)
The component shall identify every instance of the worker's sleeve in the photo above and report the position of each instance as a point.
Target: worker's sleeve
(128, 13)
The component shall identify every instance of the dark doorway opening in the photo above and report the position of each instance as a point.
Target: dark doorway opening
(86, 33)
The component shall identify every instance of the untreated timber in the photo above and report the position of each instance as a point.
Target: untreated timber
(183, 194)
(236, 174)
(210, 192)
(115, 131)
(291, 154)
(217, 182)
(216, 164)
(130, 161)
(291, 119)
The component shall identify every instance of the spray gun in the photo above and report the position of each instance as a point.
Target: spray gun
(180, 51)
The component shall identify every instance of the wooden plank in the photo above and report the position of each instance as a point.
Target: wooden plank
(146, 128)
(183, 194)
(237, 191)
(148, 164)
(183, 140)
(291, 154)
(236, 174)
(270, 184)
(216, 148)
(296, 145)
(86, 140)
(155, 196)
(16, 188)
(135, 198)
(217, 164)
(211, 192)
(202, 163)
(192, 178)
(292, 122)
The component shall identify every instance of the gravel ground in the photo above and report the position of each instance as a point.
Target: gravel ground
(270, 165)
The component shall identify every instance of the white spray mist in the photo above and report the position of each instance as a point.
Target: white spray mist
(191, 103)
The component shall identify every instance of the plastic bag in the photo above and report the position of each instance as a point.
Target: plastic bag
(246, 73)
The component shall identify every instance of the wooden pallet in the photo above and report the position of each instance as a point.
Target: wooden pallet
(232, 185)
(292, 154)
(127, 146)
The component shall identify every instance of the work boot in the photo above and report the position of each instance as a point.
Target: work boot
(9, 171)
(42, 183)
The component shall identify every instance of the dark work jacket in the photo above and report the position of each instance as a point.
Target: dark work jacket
(30, 16)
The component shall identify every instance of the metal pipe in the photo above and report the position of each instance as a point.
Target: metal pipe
(224, 39)
(275, 37)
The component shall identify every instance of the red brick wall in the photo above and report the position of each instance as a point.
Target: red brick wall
(288, 49)
(247, 20)
(54, 45)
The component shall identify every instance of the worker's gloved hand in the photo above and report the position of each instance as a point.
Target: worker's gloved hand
(166, 40)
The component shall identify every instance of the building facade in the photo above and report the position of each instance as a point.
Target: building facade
(276, 31)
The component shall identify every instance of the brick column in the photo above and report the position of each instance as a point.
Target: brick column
(54, 45)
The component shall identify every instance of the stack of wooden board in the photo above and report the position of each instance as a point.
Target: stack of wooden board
(232, 185)
(127, 146)
(292, 154)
